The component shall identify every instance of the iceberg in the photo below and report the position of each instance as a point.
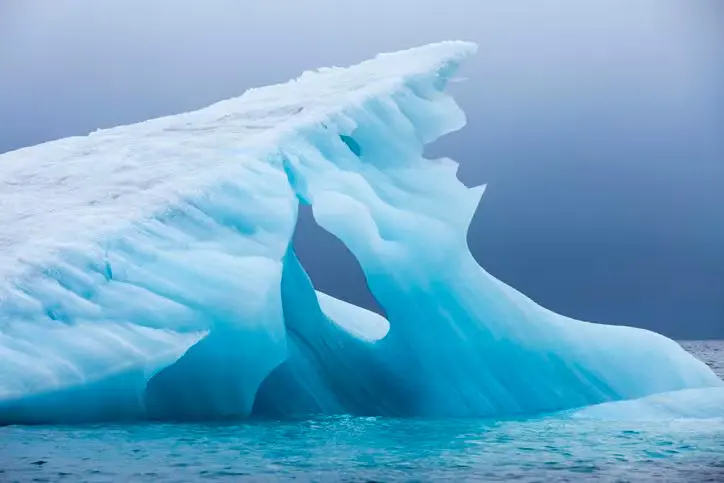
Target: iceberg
(147, 271)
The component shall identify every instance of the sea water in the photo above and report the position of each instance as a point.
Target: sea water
(375, 449)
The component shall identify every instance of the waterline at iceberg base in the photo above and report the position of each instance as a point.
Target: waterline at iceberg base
(147, 272)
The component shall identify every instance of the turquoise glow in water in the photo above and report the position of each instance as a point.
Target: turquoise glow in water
(379, 449)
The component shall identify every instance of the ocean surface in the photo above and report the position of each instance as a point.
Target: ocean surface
(553, 448)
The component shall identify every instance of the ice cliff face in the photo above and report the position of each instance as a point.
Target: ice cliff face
(146, 271)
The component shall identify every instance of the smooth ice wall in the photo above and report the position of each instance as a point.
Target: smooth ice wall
(593, 124)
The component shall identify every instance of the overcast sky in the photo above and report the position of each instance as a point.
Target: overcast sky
(596, 124)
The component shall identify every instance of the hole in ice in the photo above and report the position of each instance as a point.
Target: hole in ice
(329, 263)
(351, 144)
(108, 271)
(56, 314)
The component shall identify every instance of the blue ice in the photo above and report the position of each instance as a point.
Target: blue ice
(147, 271)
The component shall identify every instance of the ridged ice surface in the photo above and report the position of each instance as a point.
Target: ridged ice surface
(147, 271)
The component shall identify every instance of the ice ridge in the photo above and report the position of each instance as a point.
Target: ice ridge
(147, 271)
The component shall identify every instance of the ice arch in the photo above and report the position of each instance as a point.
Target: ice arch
(146, 270)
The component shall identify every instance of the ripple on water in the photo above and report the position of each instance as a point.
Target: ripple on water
(374, 449)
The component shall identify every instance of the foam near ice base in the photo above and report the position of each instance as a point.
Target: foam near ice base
(153, 263)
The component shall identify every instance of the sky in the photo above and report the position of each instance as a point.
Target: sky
(598, 126)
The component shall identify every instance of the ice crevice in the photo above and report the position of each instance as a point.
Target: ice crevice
(159, 279)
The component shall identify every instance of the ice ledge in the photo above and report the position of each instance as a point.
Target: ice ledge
(67, 192)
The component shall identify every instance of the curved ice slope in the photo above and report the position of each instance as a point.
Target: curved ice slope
(361, 323)
(87, 371)
(333, 366)
(706, 403)
(467, 343)
(146, 270)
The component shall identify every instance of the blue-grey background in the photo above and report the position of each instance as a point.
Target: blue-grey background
(597, 125)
